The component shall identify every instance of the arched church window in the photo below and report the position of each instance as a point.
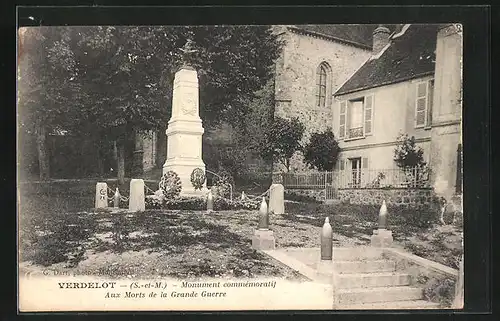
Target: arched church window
(322, 84)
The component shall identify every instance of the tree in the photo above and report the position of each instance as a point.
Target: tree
(322, 150)
(407, 154)
(45, 89)
(123, 76)
(282, 140)
(410, 158)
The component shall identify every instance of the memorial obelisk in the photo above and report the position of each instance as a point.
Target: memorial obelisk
(185, 130)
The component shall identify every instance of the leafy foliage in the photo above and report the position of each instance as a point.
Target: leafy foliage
(223, 183)
(410, 158)
(282, 140)
(407, 154)
(322, 151)
(104, 82)
(200, 204)
(440, 290)
(170, 185)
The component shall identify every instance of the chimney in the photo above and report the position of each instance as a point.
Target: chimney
(381, 37)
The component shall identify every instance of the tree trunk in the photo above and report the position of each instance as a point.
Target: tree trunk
(161, 147)
(121, 162)
(137, 166)
(43, 156)
(100, 160)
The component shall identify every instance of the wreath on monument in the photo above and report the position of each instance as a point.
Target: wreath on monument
(198, 178)
(170, 185)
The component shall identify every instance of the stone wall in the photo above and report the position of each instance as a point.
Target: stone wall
(317, 194)
(393, 197)
(396, 196)
(296, 79)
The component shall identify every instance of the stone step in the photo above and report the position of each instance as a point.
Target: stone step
(415, 304)
(357, 254)
(364, 266)
(380, 294)
(373, 280)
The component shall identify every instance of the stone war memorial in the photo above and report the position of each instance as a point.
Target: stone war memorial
(185, 130)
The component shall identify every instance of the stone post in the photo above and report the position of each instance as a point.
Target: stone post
(325, 265)
(382, 237)
(263, 238)
(277, 199)
(243, 196)
(101, 195)
(137, 197)
(382, 216)
(210, 202)
(263, 215)
(326, 241)
(116, 199)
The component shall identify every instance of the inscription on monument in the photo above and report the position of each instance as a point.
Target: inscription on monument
(188, 105)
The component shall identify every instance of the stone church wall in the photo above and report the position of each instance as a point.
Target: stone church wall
(295, 83)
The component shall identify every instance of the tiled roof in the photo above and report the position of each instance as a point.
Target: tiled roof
(360, 35)
(410, 55)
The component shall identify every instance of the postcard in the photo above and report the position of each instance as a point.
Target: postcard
(240, 167)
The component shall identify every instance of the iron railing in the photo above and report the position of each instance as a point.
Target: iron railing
(415, 177)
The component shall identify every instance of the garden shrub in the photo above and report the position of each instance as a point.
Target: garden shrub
(170, 185)
(322, 151)
(200, 204)
(223, 183)
(291, 196)
(441, 291)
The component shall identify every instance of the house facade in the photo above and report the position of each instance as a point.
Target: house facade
(410, 85)
(315, 61)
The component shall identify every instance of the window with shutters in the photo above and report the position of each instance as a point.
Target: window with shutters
(423, 104)
(322, 85)
(430, 103)
(356, 118)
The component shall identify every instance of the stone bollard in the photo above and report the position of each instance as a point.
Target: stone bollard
(243, 196)
(382, 216)
(116, 199)
(136, 200)
(101, 195)
(382, 237)
(210, 202)
(326, 241)
(263, 215)
(325, 265)
(263, 238)
(277, 199)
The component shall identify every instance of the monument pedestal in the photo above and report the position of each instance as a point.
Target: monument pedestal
(263, 239)
(381, 238)
(185, 131)
(325, 268)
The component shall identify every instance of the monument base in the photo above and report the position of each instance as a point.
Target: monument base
(184, 168)
(381, 238)
(325, 267)
(263, 240)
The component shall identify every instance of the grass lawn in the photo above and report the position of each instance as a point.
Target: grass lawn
(62, 233)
